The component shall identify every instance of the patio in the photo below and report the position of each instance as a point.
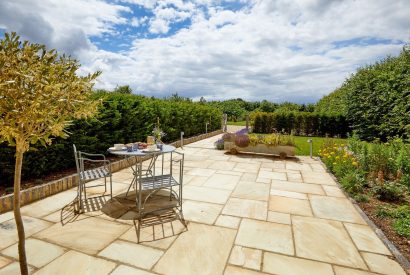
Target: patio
(246, 215)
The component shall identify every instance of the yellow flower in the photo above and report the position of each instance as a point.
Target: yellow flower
(354, 163)
(337, 157)
(334, 163)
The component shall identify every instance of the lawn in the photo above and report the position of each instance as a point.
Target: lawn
(237, 123)
(303, 146)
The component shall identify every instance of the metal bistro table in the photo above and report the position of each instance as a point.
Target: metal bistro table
(147, 182)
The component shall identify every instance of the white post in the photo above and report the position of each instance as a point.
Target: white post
(310, 141)
(206, 128)
(182, 140)
(225, 121)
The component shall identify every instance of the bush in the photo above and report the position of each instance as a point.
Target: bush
(122, 118)
(300, 123)
(389, 191)
(353, 183)
(401, 218)
(378, 98)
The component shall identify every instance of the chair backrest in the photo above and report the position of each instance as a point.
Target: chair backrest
(76, 156)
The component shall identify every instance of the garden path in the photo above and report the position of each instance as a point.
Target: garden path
(247, 215)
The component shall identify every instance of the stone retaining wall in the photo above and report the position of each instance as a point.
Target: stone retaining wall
(44, 190)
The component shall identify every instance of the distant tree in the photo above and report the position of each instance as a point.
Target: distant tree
(40, 93)
(202, 100)
(126, 89)
(176, 97)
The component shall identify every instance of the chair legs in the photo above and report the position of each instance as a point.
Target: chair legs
(82, 192)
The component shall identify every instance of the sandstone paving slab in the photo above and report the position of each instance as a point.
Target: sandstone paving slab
(272, 175)
(201, 172)
(124, 176)
(232, 173)
(4, 261)
(246, 257)
(39, 253)
(273, 165)
(74, 262)
(249, 176)
(6, 216)
(289, 205)
(326, 241)
(333, 191)
(365, 239)
(206, 194)
(233, 270)
(299, 166)
(295, 177)
(318, 178)
(14, 268)
(382, 264)
(88, 235)
(278, 217)
(339, 270)
(222, 165)
(263, 180)
(127, 270)
(201, 212)
(246, 208)
(247, 167)
(222, 181)
(117, 188)
(159, 236)
(133, 254)
(297, 187)
(333, 208)
(281, 264)
(266, 236)
(8, 230)
(317, 167)
(49, 205)
(289, 194)
(197, 163)
(195, 180)
(251, 190)
(212, 247)
(228, 221)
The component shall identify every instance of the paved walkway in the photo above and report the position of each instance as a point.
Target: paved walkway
(247, 215)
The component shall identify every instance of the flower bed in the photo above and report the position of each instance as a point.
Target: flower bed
(377, 176)
(272, 144)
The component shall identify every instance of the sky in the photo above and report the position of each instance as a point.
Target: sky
(276, 50)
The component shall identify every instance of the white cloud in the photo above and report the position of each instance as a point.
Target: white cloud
(276, 50)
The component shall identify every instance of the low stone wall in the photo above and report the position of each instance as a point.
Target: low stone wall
(44, 190)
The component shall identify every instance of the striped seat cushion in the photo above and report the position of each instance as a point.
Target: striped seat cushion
(96, 173)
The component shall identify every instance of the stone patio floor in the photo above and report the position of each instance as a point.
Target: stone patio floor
(247, 215)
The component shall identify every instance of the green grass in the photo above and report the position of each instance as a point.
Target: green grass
(237, 123)
(303, 146)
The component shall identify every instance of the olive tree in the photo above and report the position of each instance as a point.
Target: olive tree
(40, 92)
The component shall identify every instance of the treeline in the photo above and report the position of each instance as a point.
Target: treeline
(122, 118)
(301, 123)
(237, 109)
(376, 99)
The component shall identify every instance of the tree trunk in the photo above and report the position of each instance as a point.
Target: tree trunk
(17, 213)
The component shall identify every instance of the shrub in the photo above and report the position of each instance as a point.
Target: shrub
(401, 218)
(219, 144)
(271, 140)
(242, 140)
(377, 98)
(353, 182)
(389, 191)
(122, 118)
(300, 123)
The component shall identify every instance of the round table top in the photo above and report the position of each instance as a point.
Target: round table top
(141, 153)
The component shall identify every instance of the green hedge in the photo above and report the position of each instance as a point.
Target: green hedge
(122, 118)
(300, 123)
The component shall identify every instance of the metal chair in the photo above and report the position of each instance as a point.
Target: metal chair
(86, 175)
